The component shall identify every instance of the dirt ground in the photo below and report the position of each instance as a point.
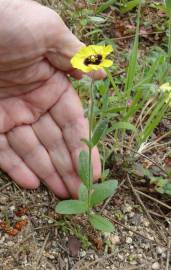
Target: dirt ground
(142, 237)
(33, 236)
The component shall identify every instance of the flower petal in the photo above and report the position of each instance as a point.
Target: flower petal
(78, 60)
(106, 63)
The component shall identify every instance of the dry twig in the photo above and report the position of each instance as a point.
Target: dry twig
(145, 210)
(41, 252)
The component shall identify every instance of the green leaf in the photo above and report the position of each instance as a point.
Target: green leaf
(97, 20)
(124, 125)
(86, 142)
(103, 191)
(167, 188)
(83, 193)
(70, 207)
(105, 6)
(132, 67)
(84, 168)
(130, 5)
(99, 131)
(168, 6)
(101, 223)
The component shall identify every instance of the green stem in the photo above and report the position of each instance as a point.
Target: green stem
(115, 88)
(169, 41)
(91, 112)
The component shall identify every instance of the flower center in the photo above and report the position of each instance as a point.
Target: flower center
(95, 59)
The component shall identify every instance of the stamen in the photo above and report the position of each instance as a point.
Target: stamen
(95, 59)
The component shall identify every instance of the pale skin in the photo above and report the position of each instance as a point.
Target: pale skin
(41, 117)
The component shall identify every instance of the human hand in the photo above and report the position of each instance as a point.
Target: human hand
(41, 117)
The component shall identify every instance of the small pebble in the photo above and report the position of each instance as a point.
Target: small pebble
(4, 199)
(127, 208)
(155, 266)
(114, 239)
(160, 250)
(129, 240)
(106, 235)
(82, 254)
(131, 214)
(146, 223)
(12, 208)
(121, 257)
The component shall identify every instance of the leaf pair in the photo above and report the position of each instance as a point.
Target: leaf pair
(100, 193)
(84, 161)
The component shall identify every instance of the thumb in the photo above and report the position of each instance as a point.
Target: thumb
(63, 45)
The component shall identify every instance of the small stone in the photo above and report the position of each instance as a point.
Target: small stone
(130, 233)
(83, 254)
(10, 243)
(50, 221)
(127, 208)
(114, 239)
(2, 240)
(106, 235)
(155, 266)
(136, 219)
(92, 256)
(131, 214)
(121, 257)
(146, 246)
(133, 262)
(12, 208)
(146, 223)
(129, 240)
(74, 246)
(49, 256)
(4, 199)
(160, 250)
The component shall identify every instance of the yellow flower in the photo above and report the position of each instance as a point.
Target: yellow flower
(92, 57)
(166, 88)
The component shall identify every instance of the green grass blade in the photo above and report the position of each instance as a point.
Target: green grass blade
(105, 6)
(133, 58)
(130, 5)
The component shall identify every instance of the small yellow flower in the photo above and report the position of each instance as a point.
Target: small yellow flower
(92, 57)
(166, 88)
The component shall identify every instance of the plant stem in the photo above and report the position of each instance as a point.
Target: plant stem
(169, 42)
(91, 112)
(115, 88)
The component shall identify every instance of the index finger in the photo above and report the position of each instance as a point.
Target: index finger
(68, 113)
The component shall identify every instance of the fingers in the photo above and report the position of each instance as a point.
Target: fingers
(26, 109)
(28, 148)
(69, 115)
(58, 152)
(96, 75)
(15, 167)
(61, 48)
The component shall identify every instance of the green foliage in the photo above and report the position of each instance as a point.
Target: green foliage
(162, 185)
(84, 168)
(83, 193)
(70, 207)
(105, 6)
(130, 5)
(124, 109)
(99, 131)
(133, 57)
(168, 6)
(101, 223)
(103, 191)
(124, 125)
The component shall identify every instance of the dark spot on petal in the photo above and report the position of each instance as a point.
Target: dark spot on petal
(95, 59)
